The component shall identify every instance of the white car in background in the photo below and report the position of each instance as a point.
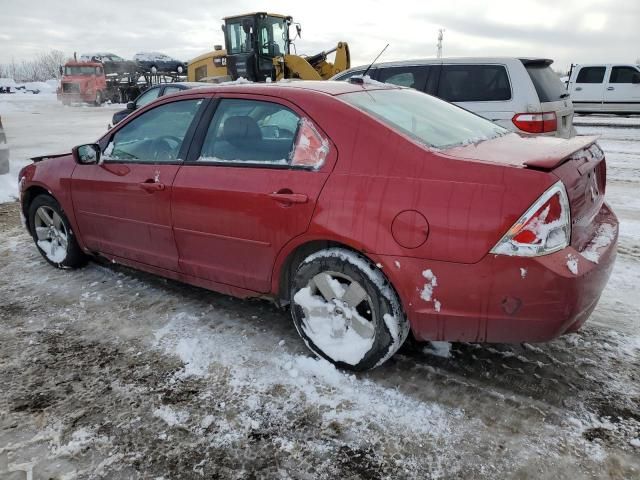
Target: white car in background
(521, 94)
(605, 88)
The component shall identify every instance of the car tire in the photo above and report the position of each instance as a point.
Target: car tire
(346, 311)
(53, 235)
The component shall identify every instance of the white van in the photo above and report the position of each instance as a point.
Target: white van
(605, 88)
(521, 94)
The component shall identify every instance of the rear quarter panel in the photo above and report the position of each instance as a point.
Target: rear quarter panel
(468, 205)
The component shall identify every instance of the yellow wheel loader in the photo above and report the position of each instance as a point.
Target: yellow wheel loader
(258, 47)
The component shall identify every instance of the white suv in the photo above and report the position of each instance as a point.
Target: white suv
(605, 88)
(522, 94)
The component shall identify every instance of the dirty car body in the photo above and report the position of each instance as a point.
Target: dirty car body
(482, 235)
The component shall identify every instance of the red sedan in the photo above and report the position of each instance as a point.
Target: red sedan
(373, 210)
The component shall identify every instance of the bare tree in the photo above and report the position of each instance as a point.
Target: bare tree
(44, 67)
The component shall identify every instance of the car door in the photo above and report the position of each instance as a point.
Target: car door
(122, 204)
(588, 87)
(247, 188)
(621, 93)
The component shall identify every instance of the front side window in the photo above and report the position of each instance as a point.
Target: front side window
(474, 83)
(147, 97)
(412, 77)
(591, 75)
(426, 119)
(155, 136)
(623, 75)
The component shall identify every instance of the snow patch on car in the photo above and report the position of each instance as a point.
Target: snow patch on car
(331, 333)
(282, 161)
(603, 238)
(523, 273)
(427, 290)
(572, 264)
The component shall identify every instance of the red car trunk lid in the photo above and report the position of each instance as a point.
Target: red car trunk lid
(577, 161)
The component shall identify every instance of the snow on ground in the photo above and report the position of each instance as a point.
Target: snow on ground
(108, 372)
(39, 124)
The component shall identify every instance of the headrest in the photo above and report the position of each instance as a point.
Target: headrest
(241, 128)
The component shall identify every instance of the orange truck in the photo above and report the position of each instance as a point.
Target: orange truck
(91, 82)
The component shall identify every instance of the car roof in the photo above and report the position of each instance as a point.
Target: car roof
(328, 87)
(466, 60)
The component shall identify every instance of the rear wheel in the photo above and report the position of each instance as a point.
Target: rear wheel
(346, 311)
(53, 235)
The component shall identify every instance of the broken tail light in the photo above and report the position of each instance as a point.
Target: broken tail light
(544, 228)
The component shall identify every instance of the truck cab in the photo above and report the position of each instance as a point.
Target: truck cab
(82, 82)
(605, 88)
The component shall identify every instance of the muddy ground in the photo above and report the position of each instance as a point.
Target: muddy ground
(111, 373)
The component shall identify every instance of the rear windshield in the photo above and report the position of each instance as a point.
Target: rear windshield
(427, 119)
(548, 85)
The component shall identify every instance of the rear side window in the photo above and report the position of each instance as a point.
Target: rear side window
(623, 74)
(547, 84)
(474, 83)
(410, 76)
(591, 75)
(250, 131)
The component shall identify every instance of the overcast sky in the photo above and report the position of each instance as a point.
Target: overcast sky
(578, 31)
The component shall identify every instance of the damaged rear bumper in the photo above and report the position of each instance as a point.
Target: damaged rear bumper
(502, 298)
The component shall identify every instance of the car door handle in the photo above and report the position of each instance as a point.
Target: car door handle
(610, 88)
(288, 198)
(578, 89)
(151, 186)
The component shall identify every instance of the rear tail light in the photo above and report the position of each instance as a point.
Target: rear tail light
(536, 122)
(544, 228)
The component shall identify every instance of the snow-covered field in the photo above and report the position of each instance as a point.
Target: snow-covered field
(111, 373)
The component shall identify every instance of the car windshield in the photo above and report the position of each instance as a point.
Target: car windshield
(426, 119)
(78, 70)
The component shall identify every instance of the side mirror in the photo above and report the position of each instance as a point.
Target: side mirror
(635, 78)
(88, 154)
(131, 106)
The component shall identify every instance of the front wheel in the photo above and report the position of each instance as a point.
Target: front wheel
(346, 311)
(53, 235)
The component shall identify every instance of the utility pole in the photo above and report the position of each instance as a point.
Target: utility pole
(440, 37)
